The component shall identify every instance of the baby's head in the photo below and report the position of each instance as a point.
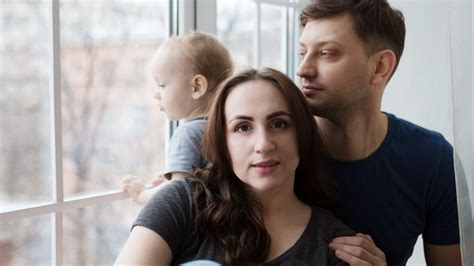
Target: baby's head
(187, 69)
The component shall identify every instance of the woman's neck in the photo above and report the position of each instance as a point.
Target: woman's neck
(285, 221)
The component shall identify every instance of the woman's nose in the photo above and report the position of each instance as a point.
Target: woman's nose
(264, 142)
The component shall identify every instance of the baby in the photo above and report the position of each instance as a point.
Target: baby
(187, 69)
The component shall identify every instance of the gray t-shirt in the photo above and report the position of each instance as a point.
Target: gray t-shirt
(170, 213)
(185, 147)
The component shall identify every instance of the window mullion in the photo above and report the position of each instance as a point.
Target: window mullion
(59, 207)
(295, 29)
(257, 36)
(186, 16)
(286, 41)
(206, 16)
(55, 88)
(172, 14)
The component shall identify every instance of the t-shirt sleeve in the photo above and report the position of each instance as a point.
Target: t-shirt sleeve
(330, 228)
(185, 149)
(442, 225)
(169, 214)
(339, 229)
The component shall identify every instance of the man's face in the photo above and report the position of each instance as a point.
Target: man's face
(335, 67)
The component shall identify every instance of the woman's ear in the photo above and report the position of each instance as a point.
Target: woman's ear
(385, 61)
(199, 86)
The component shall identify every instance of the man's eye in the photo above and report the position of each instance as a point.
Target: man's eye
(302, 54)
(325, 53)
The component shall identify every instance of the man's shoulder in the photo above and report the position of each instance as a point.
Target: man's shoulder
(415, 136)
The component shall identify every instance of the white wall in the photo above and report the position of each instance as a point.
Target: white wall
(433, 85)
(420, 90)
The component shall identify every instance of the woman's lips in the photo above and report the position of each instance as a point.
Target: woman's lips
(266, 167)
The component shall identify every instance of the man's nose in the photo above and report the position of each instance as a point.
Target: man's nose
(307, 69)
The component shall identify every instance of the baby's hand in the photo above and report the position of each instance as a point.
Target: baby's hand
(159, 179)
(133, 187)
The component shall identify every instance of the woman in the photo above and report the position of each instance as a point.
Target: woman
(255, 203)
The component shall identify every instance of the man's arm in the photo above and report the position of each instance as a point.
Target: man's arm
(442, 254)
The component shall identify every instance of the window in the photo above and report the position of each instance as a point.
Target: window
(78, 113)
(261, 32)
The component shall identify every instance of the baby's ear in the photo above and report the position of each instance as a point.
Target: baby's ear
(199, 86)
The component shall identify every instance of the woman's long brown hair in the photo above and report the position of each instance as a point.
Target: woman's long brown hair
(226, 211)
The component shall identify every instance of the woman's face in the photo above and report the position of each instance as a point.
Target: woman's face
(261, 136)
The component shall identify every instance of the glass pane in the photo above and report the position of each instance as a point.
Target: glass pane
(95, 235)
(111, 126)
(236, 29)
(272, 36)
(25, 145)
(26, 242)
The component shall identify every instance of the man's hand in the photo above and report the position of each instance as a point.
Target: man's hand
(358, 250)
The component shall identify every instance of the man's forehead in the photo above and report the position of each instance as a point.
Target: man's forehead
(327, 30)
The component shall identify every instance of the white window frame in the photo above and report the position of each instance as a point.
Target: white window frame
(185, 16)
(178, 10)
(206, 13)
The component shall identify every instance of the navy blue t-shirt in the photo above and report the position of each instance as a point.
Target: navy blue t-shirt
(404, 189)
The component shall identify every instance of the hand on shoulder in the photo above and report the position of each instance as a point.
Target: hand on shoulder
(358, 250)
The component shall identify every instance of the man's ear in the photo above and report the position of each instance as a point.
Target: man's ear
(199, 86)
(385, 61)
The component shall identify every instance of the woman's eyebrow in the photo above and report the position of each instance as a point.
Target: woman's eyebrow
(241, 117)
(270, 116)
(278, 113)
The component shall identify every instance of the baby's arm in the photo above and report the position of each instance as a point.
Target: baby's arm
(140, 194)
(135, 188)
(159, 182)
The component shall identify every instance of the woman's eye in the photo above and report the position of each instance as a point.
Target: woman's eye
(242, 128)
(279, 124)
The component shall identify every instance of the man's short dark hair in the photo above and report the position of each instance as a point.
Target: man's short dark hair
(376, 23)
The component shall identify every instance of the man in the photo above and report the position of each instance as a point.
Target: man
(395, 179)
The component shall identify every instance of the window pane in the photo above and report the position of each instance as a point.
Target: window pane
(25, 145)
(272, 36)
(236, 29)
(26, 242)
(95, 235)
(111, 126)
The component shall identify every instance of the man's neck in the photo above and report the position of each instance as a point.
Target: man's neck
(353, 138)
